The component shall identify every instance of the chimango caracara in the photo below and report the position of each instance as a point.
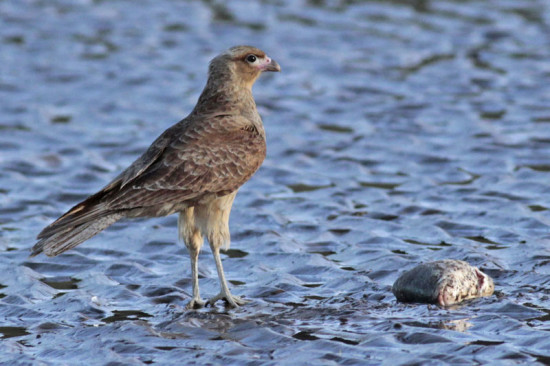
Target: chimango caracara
(194, 168)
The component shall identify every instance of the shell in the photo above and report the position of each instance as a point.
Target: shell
(444, 282)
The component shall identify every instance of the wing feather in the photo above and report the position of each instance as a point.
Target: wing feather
(216, 156)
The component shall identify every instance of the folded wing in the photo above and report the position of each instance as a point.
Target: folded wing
(211, 155)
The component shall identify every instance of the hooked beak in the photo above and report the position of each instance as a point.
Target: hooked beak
(270, 65)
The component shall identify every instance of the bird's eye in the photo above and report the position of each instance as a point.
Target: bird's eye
(251, 58)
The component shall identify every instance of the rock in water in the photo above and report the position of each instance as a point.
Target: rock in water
(443, 282)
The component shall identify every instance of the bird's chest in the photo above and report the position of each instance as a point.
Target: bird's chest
(257, 125)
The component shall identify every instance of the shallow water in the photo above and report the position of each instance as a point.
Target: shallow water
(399, 132)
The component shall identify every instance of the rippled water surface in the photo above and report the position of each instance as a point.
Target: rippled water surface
(399, 132)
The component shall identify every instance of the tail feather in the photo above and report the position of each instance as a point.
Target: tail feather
(86, 211)
(61, 238)
(80, 223)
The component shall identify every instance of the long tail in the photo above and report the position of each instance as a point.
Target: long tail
(58, 242)
(77, 225)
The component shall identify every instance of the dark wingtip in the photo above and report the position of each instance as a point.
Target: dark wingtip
(36, 249)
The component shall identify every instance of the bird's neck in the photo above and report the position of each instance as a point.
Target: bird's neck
(234, 99)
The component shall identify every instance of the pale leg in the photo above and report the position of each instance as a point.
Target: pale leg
(196, 301)
(193, 241)
(213, 219)
(224, 294)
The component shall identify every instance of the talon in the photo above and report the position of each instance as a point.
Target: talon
(196, 304)
(233, 301)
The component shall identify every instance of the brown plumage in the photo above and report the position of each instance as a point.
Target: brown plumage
(195, 168)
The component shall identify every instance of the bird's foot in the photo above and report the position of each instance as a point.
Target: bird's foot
(195, 303)
(233, 301)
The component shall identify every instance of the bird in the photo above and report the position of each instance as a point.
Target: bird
(194, 168)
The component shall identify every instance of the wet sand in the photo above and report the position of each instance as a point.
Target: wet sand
(396, 135)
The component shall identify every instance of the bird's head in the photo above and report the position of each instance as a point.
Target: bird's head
(242, 65)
